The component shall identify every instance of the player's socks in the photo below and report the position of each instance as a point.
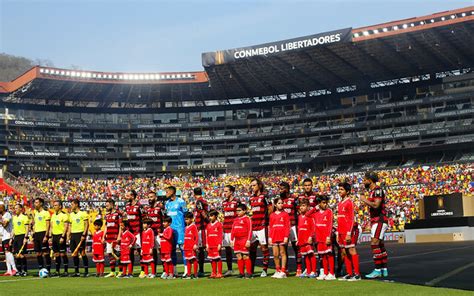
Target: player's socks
(195, 267)
(132, 256)
(40, 261)
(145, 267)
(76, 263)
(376, 252)
(201, 260)
(58, 263)
(85, 262)
(253, 256)
(188, 264)
(266, 259)
(47, 258)
(19, 264)
(331, 263)
(314, 266)
(228, 257)
(213, 265)
(124, 270)
(219, 266)
(65, 263)
(348, 263)
(25, 265)
(309, 267)
(299, 257)
(130, 268)
(355, 263)
(384, 255)
(248, 266)
(153, 267)
(241, 264)
(325, 263)
(112, 263)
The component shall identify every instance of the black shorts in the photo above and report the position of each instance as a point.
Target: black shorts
(75, 241)
(18, 244)
(38, 242)
(59, 247)
(6, 246)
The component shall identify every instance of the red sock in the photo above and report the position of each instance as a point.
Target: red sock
(153, 268)
(188, 267)
(278, 268)
(283, 269)
(124, 269)
(266, 259)
(348, 263)
(307, 261)
(165, 267)
(146, 269)
(102, 267)
(241, 264)
(195, 267)
(219, 266)
(325, 263)
(355, 263)
(213, 264)
(130, 268)
(314, 266)
(331, 263)
(248, 265)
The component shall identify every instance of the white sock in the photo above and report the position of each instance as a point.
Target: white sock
(185, 269)
(7, 263)
(12, 260)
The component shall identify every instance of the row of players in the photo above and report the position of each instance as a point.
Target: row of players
(303, 221)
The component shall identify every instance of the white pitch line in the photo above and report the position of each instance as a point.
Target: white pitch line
(448, 275)
(20, 280)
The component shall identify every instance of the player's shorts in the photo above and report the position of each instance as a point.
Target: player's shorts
(18, 244)
(138, 241)
(166, 257)
(355, 233)
(112, 247)
(239, 246)
(306, 249)
(189, 254)
(278, 243)
(293, 237)
(97, 258)
(125, 258)
(6, 246)
(324, 249)
(213, 253)
(157, 242)
(146, 258)
(40, 246)
(201, 238)
(58, 247)
(260, 236)
(378, 230)
(226, 241)
(75, 241)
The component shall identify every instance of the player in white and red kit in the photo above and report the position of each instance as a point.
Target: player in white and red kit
(135, 213)
(323, 219)
(113, 219)
(167, 246)
(190, 246)
(261, 208)
(98, 248)
(379, 224)
(155, 214)
(290, 207)
(347, 232)
(148, 245)
(278, 236)
(127, 241)
(229, 206)
(214, 243)
(306, 231)
(241, 236)
(201, 220)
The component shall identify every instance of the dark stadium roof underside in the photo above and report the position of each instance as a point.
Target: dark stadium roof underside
(372, 56)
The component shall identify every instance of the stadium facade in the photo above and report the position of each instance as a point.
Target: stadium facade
(392, 94)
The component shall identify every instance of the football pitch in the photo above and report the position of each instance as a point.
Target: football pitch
(204, 286)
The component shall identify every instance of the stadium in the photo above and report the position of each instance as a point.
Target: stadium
(395, 98)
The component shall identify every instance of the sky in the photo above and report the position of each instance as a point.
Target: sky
(159, 36)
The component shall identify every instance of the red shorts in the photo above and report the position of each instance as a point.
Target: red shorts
(213, 253)
(306, 249)
(166, 257)
(125, 258)
(189, 254)
(146, 258)
(324, 249)
(341, 238)
(97, 258)
(239, 246)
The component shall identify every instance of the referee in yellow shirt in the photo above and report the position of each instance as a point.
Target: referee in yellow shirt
(21, 224)
(59, 229)
(41, 219)
(78, 230)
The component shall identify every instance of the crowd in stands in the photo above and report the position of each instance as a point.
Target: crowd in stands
(404, 188)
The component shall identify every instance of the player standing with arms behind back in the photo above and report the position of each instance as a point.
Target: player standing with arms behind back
(379, 224)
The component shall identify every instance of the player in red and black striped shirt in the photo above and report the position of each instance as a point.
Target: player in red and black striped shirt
(378, 221)
(201, 220)
(261, 208)
(155, 214)
(113, 218)
(289, 206)
(229, 207)
(308, 193)
(135, 214)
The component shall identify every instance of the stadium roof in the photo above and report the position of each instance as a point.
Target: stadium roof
(340, 61)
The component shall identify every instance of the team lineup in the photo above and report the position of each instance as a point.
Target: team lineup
(154, 232)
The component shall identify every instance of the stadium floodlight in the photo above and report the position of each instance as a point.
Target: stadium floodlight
(376, 31)
(356, 35)
(178, 76)
(405, 26)
(83, 75)
(443, 18)
(453, 16)
(62, 73)
(56, 72)
(422, 23)
(395, 28)
(99, 76)
(412, 25)
(147, 77)
(41, 70)
(73, 74)
(463, 14)
(125, 76)
(109, 76)
(384, 29)
(68, 73)
(173, 76)
(135, 77)
(94, 75)
(115, 76)
(365, 33)
(168, 76)
(120, 77)
(141, 77)
(88, 75)
(46, 71)
(432, 20)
